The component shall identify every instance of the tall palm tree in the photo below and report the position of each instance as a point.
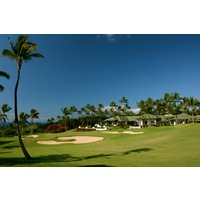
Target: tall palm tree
(3, 74)
(4, 109)
(33, 115)
(22, 50)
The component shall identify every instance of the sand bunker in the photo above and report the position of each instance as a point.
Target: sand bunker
(112, 132)
(125, 132)
(78, 140)
(81, 139)
(32, 136)
(131, 132)
(51, 142)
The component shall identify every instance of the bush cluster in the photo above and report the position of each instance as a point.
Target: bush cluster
(54, 128)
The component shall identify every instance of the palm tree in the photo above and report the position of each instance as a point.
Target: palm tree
(21, 50)
(185, 106)
(4, 109)
(73, 110)
(149, 109)
(23, 120)
(166, 107)
(65, 112)
(175, 100)
(158, 108)
(146, 108)
(33, 115)
(50, 121)
(124, 102)
(193, 103)
(90, 112)
(113, 108)
(3, 74)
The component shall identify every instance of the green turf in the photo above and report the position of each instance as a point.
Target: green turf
(164, 146)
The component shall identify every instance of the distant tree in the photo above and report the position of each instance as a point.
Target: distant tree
(50, 120)
(73, 110)
(3, 117)
(3, 74)
(23, 117)
(124, 106)
(175, 99)
(34, 114)
(193, 103)
(166, 106)
(65, 112)
(113, 108)
(21, 50)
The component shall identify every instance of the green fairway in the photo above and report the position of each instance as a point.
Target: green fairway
(165, 146)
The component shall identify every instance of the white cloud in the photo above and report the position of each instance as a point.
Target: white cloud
(135, 110)
(111, 37)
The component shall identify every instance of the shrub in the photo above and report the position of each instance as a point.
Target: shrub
(54, 128)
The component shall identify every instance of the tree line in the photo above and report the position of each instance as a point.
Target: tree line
(170, 104)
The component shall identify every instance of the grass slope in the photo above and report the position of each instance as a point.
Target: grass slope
(165, 146)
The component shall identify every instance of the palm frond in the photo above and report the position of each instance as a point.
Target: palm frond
(30, 56)
(12, 46)
(9, 54)
(32, 48)
(4, 74)
(20, 41)
(1, 88)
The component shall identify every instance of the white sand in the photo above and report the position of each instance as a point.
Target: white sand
(81, 139)
(78, 140)
(125, 132)
(131, 132)
(32, 136)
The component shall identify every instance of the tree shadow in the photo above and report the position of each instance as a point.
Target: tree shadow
(5, 152)
(98, 156)
(137, 151)
(97, 165)
(11, 147)
(5, 142)
(65, 158)
(12, 161)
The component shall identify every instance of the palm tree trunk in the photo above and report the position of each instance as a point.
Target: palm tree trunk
(32, 126)
(25, 152)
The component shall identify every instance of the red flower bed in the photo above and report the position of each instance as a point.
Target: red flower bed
(54, 128)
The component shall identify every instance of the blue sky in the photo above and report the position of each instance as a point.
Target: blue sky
(89, 68)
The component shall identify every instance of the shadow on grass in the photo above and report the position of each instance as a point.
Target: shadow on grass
(137, 151)
(5, 142)
(11, 147)
(98, 156)
(12, 161)
(49, 160)
(98, 165)
(5, 152)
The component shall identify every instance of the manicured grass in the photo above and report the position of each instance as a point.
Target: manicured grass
(164, 146)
